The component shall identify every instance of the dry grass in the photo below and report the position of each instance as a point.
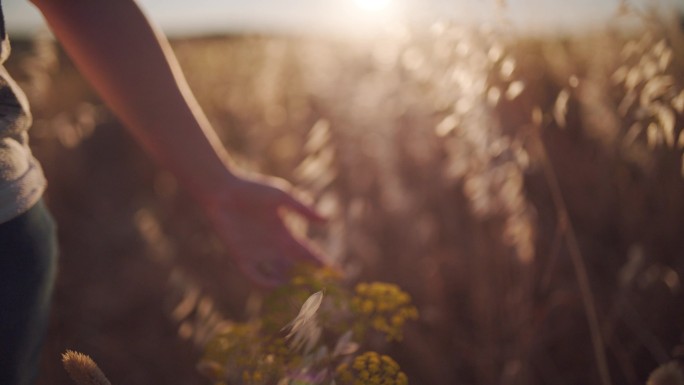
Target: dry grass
(520, 189)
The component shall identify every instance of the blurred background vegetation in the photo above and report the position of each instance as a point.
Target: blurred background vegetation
(526, 190)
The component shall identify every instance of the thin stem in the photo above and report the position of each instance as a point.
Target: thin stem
(553, 255)
(579, 266)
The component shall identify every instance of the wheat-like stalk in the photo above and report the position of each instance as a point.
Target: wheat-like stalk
(82, 369)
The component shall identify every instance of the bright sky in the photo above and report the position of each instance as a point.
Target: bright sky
(200, 16)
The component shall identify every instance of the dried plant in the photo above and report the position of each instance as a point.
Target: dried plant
(667, 374)
(525, 190)
(82, 369)
(319, 345)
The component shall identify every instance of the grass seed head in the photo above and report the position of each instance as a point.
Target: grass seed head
(82, 369)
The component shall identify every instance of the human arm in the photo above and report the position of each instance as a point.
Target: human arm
(133, 69)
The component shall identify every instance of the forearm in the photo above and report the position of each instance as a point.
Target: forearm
(134, 71)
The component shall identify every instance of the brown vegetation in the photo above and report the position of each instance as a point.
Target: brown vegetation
(528, 193)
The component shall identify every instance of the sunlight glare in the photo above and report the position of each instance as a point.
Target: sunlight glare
(373, 5)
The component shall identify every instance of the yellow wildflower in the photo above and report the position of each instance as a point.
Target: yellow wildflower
(367, 306)
(370, 368)
(385, 306)
(257, 376)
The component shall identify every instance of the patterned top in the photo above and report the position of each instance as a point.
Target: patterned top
(21, 178)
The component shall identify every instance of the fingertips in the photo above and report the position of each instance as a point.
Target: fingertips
(265, 282)
(264, 278)
(302, 209)
(303, 252)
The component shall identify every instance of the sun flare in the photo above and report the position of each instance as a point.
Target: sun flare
(373, 5)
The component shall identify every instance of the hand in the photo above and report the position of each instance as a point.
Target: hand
(246, 216)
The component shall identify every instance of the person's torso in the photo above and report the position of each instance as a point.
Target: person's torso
(21, 178)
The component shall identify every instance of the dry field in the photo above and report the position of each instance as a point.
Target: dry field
(527, 192)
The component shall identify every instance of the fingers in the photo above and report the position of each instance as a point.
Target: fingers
(301, 208)
(252, 228)
(286, 197)
(266, 273)
(301, 252)
(269, 264)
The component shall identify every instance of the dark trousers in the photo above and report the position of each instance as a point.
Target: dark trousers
(28, 263)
